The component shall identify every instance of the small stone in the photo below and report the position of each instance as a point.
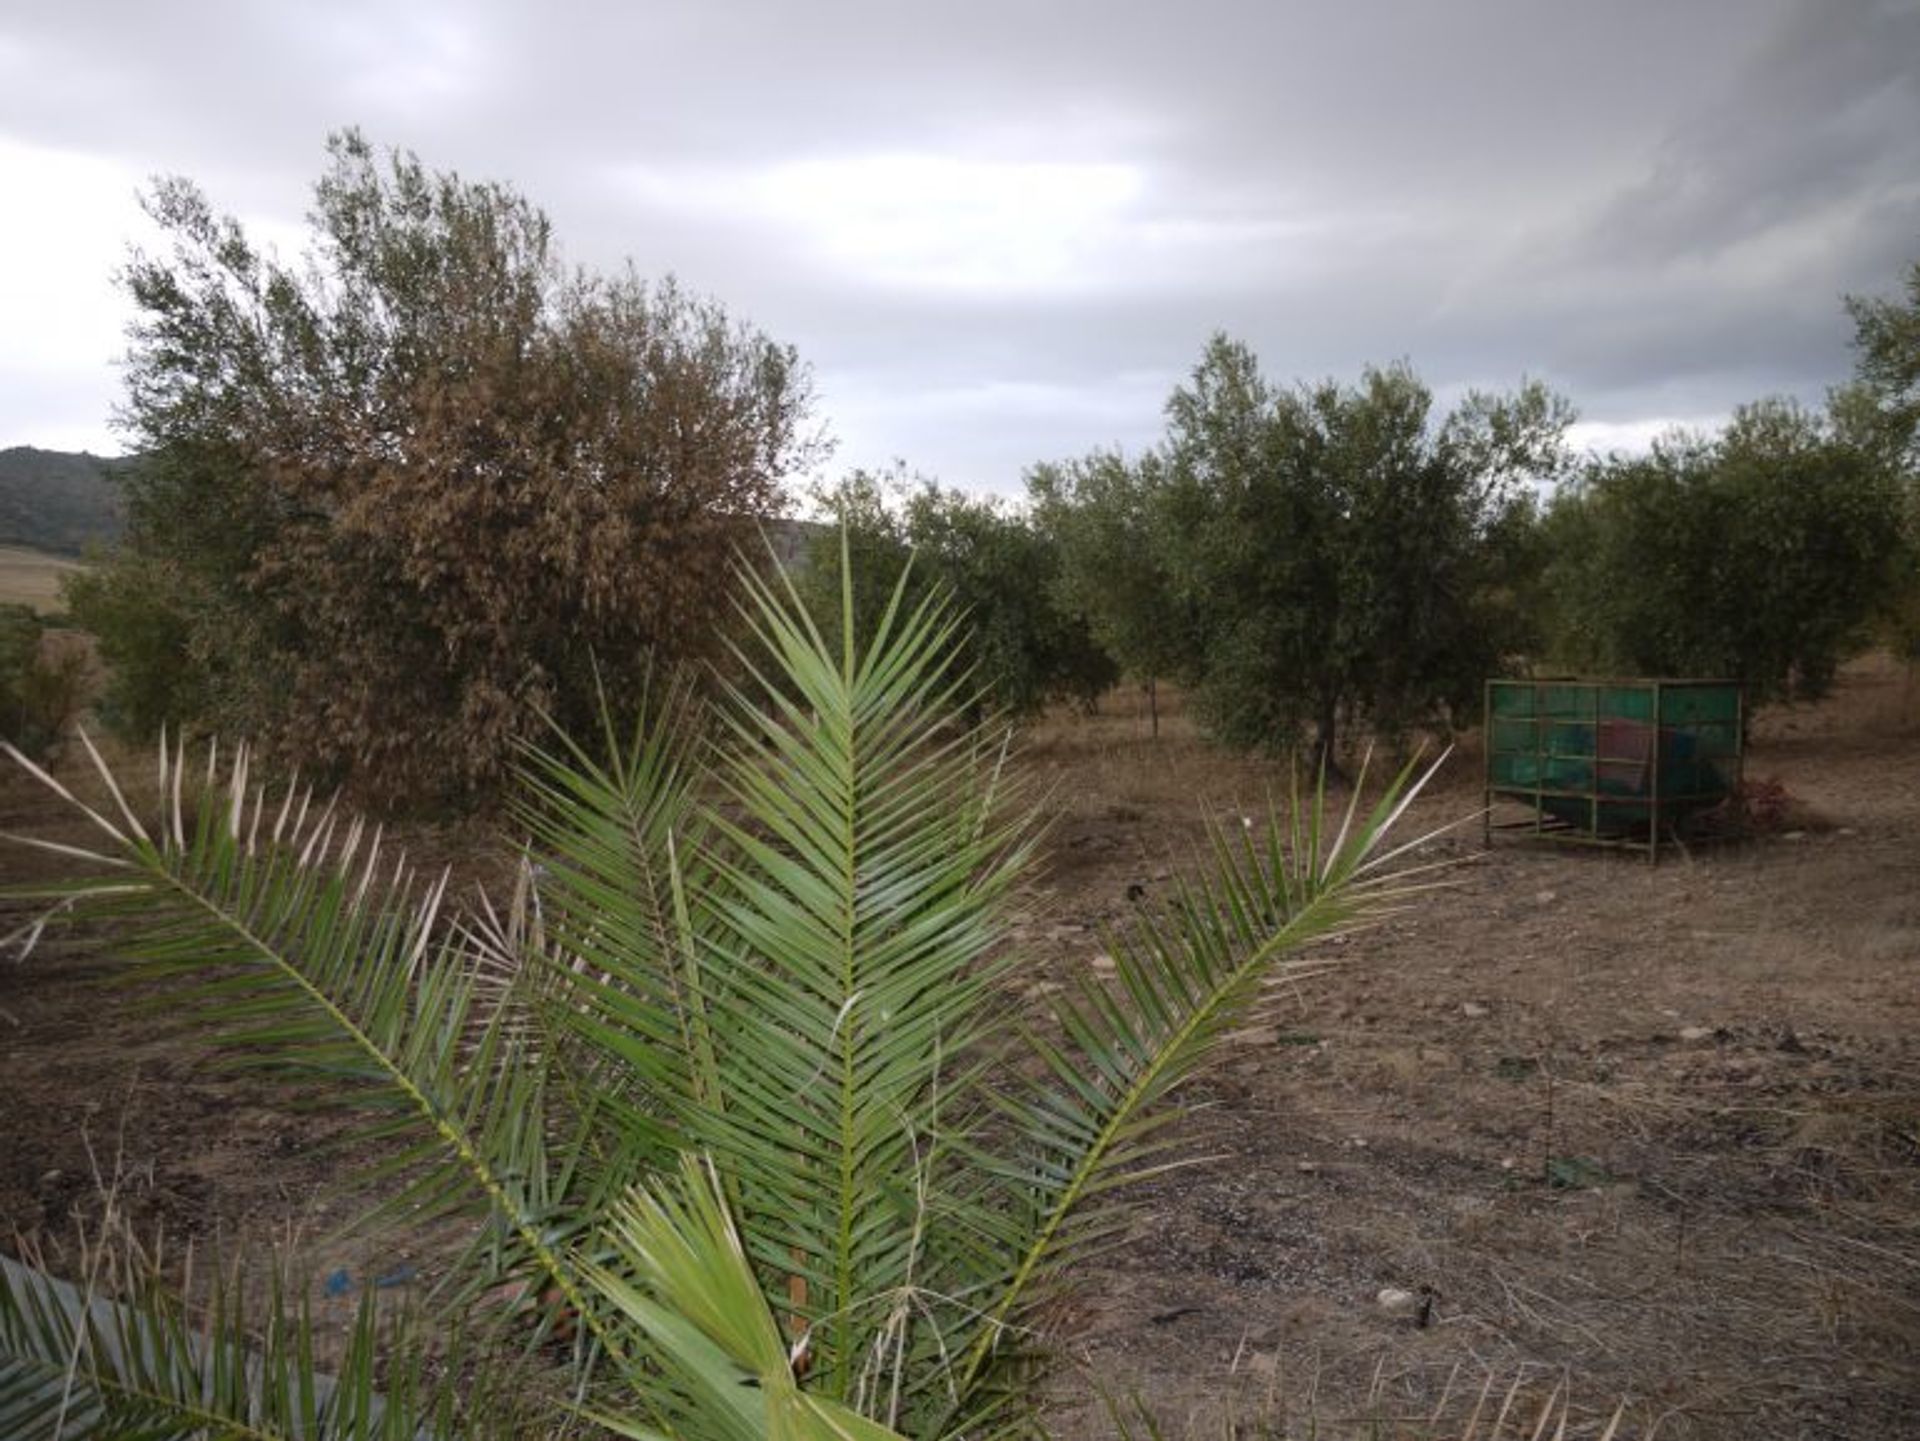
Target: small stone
(1473, 1010)
(1308, 1168)
(1507, 1163)
(1545, 898)
(1359, 1143)
(1396, 1302)
(1104, 964)
(1695, 1033)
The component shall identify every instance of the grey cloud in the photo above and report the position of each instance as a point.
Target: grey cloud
(1654, 206)
(1826, 114)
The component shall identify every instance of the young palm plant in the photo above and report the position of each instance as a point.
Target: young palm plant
(742, 1078)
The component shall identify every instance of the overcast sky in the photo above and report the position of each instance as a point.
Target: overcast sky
(1001, 232)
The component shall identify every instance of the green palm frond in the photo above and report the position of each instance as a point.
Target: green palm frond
(682, 1275)
(614, 832)
(290, 939)
(76, 1364)
(600, 942)
(869, 845)
(1121, 1045)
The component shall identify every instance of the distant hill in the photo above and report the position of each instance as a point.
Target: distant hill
(54, 500)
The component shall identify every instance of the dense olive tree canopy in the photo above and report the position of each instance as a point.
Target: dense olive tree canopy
(1880, 412)
(1025, 642)
(1102, 517)
(403, 498)
(1887, 346)
(1316, 558)
(1763, 554)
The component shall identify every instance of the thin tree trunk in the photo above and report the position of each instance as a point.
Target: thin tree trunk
(1326, 734)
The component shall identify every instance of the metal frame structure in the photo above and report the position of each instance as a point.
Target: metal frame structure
(1582, 793)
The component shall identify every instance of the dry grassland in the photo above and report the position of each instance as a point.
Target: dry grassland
(31, 577)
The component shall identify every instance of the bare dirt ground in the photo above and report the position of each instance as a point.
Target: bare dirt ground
(1653, 1133)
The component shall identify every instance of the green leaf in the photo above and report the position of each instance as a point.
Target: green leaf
(77, 1362)
(681, 1273)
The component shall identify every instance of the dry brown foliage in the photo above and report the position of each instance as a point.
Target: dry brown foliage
(433, 487)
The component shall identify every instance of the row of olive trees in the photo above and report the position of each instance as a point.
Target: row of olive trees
(401, 505)
(1324, 560)
(1026, 641)
(1770, 551)
(1303, 560)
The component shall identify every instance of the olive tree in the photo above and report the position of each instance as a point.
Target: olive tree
(1101, 514)
(1763, 554)
(1880, 411)
(1028, 643)
(398, 502)
(1340, 558)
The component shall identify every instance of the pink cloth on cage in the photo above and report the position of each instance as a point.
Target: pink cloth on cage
(1623, 756)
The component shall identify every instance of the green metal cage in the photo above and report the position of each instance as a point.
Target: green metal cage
(1625, 762)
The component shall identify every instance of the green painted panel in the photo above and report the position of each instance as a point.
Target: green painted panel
(1567, 700)
(1565, 739)
(1514, 735)
(1603, 757)
(1619, 702)
(1511, 698)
